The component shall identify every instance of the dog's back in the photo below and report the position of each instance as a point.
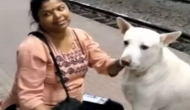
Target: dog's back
(175, 88)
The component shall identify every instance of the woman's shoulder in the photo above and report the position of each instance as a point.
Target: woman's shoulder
(33, 45)
(31, 42)
(82, 34)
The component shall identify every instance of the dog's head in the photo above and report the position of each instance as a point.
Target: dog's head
(141, 45)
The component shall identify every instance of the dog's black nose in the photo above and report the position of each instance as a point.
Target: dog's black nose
(126, 62)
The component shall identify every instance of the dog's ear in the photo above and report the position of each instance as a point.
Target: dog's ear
(168, 38)
(123, 25)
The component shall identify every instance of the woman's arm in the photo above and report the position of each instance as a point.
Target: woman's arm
(31, 72)
(99, 59)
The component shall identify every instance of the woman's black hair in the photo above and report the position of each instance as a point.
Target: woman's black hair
(35, 6)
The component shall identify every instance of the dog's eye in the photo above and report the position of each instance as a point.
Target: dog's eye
(144, 47)
(126, 43)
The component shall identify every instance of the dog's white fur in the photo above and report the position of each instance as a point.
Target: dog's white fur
(156, 78)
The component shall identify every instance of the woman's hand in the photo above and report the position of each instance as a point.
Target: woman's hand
(117, 66)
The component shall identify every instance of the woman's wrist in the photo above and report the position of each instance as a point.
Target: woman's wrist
(115, 68)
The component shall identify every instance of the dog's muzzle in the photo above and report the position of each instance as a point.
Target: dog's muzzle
(125, 62)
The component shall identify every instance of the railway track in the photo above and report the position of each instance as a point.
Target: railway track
(109, 18)
(182, 1)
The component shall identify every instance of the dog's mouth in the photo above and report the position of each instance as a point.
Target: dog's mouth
(138, 69)
(132, 68)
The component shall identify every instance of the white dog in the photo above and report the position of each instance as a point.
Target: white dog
(155, 79)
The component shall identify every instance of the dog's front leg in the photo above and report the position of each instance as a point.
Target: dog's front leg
(144, 99)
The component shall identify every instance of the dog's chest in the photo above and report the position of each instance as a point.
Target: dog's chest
(131, 89)
(166, 91)
(129, 92)
(129, 86)
(133, 85)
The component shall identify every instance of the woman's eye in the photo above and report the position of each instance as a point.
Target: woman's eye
(46, 14)
(61, 8)
(144, 47)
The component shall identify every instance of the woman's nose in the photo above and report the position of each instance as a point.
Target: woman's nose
(57, 15)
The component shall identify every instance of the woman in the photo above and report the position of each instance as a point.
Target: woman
(36, 86)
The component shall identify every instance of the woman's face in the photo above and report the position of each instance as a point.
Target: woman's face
(54, 15)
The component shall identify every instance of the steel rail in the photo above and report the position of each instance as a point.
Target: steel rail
(109, 18)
